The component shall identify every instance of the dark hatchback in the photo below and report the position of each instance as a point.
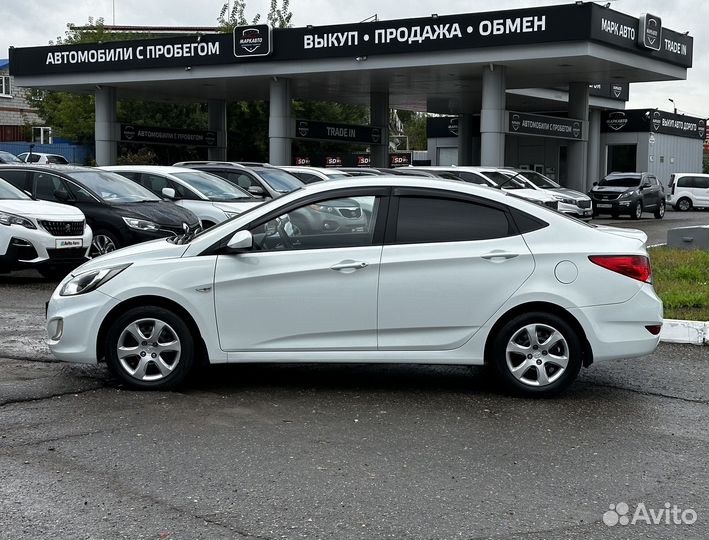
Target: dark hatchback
(628, 193)
(120, 212)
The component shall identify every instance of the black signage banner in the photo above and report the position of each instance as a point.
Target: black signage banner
(653, 121)
(540, 25)
(159, 135)
(328, 131)
(254, 40)
(619, 91)
(545, 126)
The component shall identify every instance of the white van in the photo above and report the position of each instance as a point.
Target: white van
(688, 190)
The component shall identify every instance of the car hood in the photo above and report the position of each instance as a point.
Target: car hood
(570, 193)
(160, 212)
(237, 206)
(612, 189)
(40, 209)
(533, 194)
(635, 234)
(152, 250)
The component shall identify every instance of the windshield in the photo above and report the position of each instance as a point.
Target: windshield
(8, 191)
(111, 187)
(7, 157)
(280, 181)
(504, 181)
(620, 181)
(213, 187)
(539, 180)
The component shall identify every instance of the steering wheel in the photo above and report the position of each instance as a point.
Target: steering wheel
(280, 229)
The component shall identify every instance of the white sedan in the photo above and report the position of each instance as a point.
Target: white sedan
(210, 197)
(440, 273)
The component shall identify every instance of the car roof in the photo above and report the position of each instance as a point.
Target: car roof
(165, 169)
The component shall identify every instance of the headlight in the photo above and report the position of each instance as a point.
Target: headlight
(12, 219)
(91, 280)
(629, 194)
(141, 224)
(564, 200)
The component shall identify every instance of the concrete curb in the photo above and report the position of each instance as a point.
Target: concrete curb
(678, 331)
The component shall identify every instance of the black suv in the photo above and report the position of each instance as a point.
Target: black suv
(119, 211)
(628, 193)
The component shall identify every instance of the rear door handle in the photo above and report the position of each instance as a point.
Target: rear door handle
(349, 265)
(499, 255)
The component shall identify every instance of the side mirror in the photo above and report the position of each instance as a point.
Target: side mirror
(595, 184)
(61, 195)
(169, 193)
(241, 241)
(258, 191)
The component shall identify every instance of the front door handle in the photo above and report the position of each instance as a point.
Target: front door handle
(499, 256)
(349, 265)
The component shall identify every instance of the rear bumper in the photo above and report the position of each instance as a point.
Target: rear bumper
(619, 330)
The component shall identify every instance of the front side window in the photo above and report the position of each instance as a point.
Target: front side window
(47, 186)
(332, 223)
(429, 219)
(211, 186)
(701, 182)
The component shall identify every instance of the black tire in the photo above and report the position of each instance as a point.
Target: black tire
(684, 204)
(636, 212)
(154, 364)
(97, 243)
(522, 383)
(660, 210)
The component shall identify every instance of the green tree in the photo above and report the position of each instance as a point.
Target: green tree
(414, 127)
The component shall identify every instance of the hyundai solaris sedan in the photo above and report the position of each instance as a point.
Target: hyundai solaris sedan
(439, 273)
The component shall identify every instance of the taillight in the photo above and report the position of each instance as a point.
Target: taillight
(633, 266)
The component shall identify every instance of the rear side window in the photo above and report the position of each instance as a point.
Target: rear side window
(685, 182)
(701, 182)
(424, 219)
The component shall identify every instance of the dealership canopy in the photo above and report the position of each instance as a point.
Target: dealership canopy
(494, 64)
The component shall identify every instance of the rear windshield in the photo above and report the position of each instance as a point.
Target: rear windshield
(620, 181)
(112, 187)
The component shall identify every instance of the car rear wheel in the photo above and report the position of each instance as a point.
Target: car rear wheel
(536, 354)
(150, 348)
(684, 204)
(637, 211)
(660, 210)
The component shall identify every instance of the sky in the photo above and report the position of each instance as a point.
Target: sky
(49, 19)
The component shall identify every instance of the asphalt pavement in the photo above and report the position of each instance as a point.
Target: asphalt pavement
(348, 451)
(656, 229)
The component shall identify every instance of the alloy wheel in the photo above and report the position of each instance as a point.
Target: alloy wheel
(101, 245)
(684, 205)
(148, 349)
(537, 355)
(638, 211)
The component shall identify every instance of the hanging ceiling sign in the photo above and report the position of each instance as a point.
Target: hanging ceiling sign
(329, 131)
(544, 126)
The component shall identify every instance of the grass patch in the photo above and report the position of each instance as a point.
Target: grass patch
(681, 279)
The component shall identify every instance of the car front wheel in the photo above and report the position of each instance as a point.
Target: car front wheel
(150, 348)
(637, 211)
(536, 354)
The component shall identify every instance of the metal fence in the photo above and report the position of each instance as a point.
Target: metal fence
(80, 154)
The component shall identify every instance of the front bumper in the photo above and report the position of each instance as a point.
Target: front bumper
(73, 323)
(22, 248)
(615, 206)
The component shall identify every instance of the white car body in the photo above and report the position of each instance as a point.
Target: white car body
(530, 194)
(208, 211)
(322, 173)
(433, 303)
(40, 158)
(571, 202)
(688, 190)
(57, 230)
